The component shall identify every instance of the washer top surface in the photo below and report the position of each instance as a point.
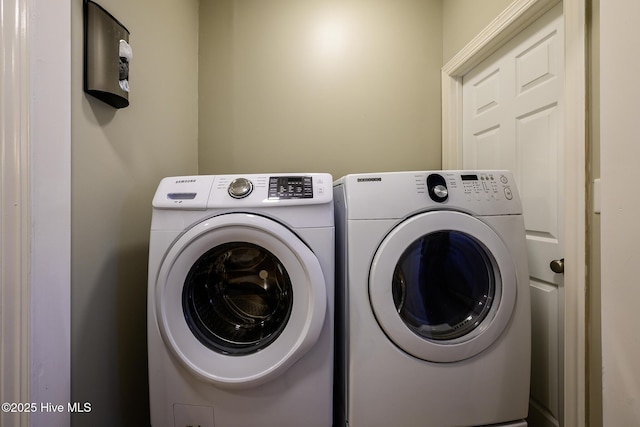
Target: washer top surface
(486, 192)
(263, 191)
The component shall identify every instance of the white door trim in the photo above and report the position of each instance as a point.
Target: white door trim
(49, 41)
(15, 205)
(35, 163)
(516, 17)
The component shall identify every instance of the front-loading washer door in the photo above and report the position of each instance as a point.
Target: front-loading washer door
(240, 298)
(443, 286)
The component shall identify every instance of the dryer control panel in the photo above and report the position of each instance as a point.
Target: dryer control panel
(474, 186)
(394, 194)
(482, 192)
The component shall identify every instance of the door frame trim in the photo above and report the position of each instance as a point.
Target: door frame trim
(517, 16)
(49, 41)
(35, 140)
(15, 212)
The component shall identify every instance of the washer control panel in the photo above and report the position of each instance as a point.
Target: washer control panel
(251, 190)
(277, 189)
(290, 187)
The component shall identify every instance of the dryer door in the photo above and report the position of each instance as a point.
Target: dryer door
(443, 286)
(240, 298)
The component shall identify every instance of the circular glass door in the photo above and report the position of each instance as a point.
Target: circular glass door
(239, 298)
(443, 286)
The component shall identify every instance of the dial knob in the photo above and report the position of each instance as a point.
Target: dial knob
(437, 187)
(240, 187)
(441, 191)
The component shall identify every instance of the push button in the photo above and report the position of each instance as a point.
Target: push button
(508, 193)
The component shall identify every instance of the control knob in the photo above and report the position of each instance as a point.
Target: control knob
(240, 188)
(437, 188)
(441, 191)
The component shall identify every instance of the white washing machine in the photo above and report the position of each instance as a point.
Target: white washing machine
(240, 301)
(432, 300)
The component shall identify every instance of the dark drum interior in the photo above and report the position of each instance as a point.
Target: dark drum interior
(237, 298)
(444, 285)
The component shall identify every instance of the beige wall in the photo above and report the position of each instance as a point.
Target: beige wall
(319, 85)
(462, 20)
(619, 60)
(118, 158)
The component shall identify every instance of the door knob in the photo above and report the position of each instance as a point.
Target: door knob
(557, 266)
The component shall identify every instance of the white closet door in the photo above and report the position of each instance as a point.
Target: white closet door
(513, 119)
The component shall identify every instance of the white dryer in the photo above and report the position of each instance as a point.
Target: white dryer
(433, 314)
(240, 301)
